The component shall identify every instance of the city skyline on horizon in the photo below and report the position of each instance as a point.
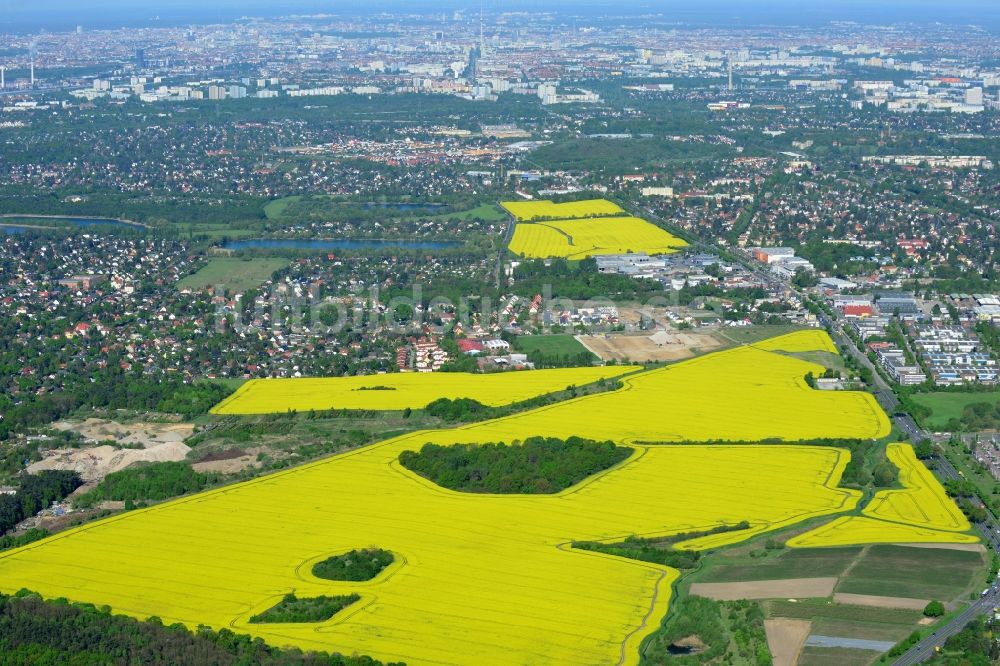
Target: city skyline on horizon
(60, 15)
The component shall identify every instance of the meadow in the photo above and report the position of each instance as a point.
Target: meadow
(234, 275)
(485, 579)
(946, 406)
(552, 345)
(525, 211)
(582, 238)
(412, 390)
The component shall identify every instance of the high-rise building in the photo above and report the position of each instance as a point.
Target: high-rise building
(237, 92)
(974, 96)
(216, 92)
(140, 58)
(547, 93)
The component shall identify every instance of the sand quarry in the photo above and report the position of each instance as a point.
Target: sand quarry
(149, 442)
(662, 345)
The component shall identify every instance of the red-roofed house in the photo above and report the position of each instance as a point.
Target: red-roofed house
(470, 347)
(858, 311)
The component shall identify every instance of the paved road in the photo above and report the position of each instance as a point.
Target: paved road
(883, 392)
(990, 533)
(925, 649)
(989, 530)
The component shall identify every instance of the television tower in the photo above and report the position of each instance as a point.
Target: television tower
(729, 61)
(31, 52)
(482, 42)
(3, 77)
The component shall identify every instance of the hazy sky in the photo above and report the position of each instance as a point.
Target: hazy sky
(21, 15)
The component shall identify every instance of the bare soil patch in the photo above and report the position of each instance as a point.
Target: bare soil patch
(95, 463)
(662, 345)
(140, 433)
(230, 461)
(785, 638)
(791, 588)
(902, 603)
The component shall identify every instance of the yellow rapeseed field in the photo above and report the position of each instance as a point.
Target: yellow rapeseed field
(530, 210)
(800, 341)
(481, 579)
(579, 239)
(859, 531)
(402, 390)
(922, 500)
(741, 394)
(919, 512)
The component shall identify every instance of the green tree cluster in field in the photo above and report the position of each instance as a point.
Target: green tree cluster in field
(11, 541)
(977, 416)
(661, 550)
(36, 492)
(154, 481)
(539, 465)
(356, 565)
(934, 609)
(968, 499)
(729, 631)
(306, 609)
(459, 409)
(57, 633)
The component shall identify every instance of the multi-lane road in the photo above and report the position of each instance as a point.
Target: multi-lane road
(990, 533)
(989, 530)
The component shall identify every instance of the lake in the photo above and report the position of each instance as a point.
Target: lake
(338, 244)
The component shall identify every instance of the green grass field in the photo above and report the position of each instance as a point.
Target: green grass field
(916, 573)
(550, 345)
(826, 359)
(945, 405)
(275, 209)
(235, 275)
(790, 563)
(816, 609)
(488, 212)
(868, 631)
(818, 656)
(752, 334)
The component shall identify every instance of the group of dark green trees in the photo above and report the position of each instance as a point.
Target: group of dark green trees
(154, 481)
(538, 465)
(112, 389)
(36, 492)
(58, 633)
